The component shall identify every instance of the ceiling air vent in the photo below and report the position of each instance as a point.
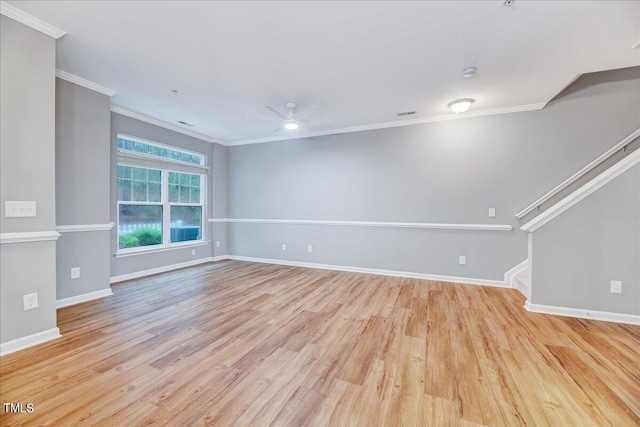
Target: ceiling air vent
(186, 124)
(407, 113)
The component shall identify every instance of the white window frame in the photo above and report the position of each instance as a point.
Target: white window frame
(165, 165)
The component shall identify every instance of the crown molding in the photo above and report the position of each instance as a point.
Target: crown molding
(397, 123)
(375, 126)
(169, 126)
(30, 21)
(84, 83)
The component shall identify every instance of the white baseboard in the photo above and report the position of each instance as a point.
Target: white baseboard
(509, 276)
(65, 302)
(524, 290)
(605, 316)
(220, 258)
(163, 269)
(393, 273)
(29, 341)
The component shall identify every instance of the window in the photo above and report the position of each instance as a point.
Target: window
(160, 195)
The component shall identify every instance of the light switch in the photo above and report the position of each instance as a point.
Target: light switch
(19, 209)
(492, 212)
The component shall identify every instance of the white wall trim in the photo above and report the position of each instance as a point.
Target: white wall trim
(29, 341)
(567, 182)
(30, 21)
(163, 269)
(84, 227)
(392, 273)
(397, 123)
(165, 125)
(28, 237)
(65, 302)
(486, 227)
(509, 276)
(220, 258)
(581, 193)
(605, 316)
(84, 83)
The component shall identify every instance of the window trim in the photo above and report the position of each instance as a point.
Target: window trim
(160, 145)
(165, 166)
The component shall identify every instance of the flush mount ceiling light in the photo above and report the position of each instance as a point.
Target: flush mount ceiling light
(460, 105)
(469, 72)
(291, 126)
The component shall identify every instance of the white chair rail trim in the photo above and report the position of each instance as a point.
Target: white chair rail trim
(419, 225)
(28, 237)
(84, 227)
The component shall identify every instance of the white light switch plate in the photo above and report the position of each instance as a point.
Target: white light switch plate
(75, 272)
(309, 248)
(492, 212)
(462, 259)
(13, 209)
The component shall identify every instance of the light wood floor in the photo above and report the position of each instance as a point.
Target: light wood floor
(254, 344)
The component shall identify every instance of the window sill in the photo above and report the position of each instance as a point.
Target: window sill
(161, 248)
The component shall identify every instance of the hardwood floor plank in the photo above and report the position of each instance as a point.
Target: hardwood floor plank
(247, 344)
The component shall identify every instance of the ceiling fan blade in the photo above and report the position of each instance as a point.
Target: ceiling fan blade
(305, 113)
(315, 121)
(276, 112)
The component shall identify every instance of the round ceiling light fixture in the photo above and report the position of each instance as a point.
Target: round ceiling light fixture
(469, 72)
(291, 126)
(460, 105)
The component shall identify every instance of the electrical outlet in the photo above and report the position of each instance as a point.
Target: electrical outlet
(75, 272)
(616, 286)
(218, 244)
(492, 212)
(309, 248)
(462, 259)
(193, 251)
(284, 247)
(30, 301)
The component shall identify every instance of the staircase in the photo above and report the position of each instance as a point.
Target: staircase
(581, 251)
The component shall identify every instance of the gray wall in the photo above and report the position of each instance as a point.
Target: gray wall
(27, 172)
(578, 253)
(441, 172)
(82, 187)
(131, 264)
(219, 186)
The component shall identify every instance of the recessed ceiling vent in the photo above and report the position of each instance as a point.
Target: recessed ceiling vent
(183, 123)
(407, 113)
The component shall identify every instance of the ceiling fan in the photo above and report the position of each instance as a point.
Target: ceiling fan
(291, 120)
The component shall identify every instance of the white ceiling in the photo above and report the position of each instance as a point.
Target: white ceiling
(361, 63)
